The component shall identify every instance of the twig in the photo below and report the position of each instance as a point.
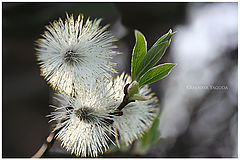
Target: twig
(46, 145)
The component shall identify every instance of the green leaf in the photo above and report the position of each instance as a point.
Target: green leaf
(152, 135)
(154, 54)
(139, 51)
(151, 58)
(156, 73)
(166, 37)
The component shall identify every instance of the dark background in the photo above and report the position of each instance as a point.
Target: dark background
(26, 95)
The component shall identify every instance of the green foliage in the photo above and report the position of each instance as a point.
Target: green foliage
(151, 58)
(156, 73)
(152, 135)
(139, 51)
(166, 37)
(142, 63)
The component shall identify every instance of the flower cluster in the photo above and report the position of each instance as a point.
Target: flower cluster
(83, 122)
(92, 107)
(137, 116)
(73, 53)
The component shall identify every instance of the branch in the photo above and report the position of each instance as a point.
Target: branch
(47, 145)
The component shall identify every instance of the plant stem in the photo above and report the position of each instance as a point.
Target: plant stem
(124, 103)
(47, 145)
(125, 99)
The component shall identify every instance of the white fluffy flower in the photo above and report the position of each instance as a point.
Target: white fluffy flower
(84, 122)
(137, 116)
(72, 52)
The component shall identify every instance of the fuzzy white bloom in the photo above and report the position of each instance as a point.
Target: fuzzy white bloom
(137, 116)
(84, 122)
(72, 52)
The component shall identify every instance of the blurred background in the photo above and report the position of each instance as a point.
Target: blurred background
(198, 99)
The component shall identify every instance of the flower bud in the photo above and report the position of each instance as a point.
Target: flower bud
(132, 89)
